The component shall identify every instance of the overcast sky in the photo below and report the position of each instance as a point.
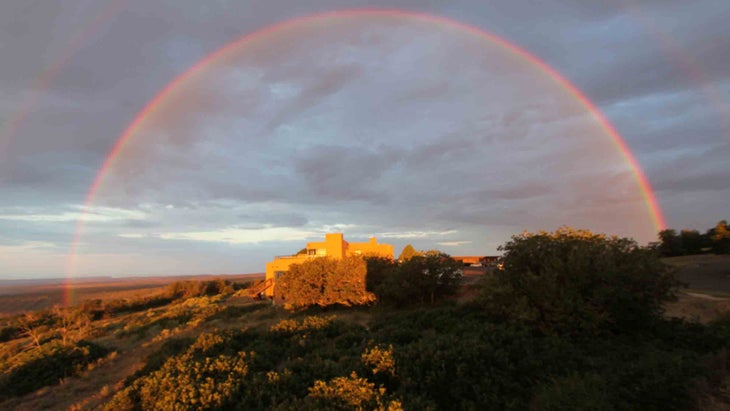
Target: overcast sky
(402, 128)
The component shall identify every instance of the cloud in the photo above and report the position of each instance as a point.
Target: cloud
(454, 243)
(332, 172)
(405, 128)
(243, 236)
(94, 214)
(323, 84)
(417, 234)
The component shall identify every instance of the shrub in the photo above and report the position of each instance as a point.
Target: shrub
(310, 323)
(350, 393)
(577, 281)
(9, 333)
(378, 269)
(47, 365)
(324, 282)
(421, 279)
(381, 360)
(575, 392)
(191, 288)
(204, 377)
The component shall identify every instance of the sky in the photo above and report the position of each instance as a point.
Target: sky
(403, 125)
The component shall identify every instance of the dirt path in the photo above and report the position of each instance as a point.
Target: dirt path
(707, 297)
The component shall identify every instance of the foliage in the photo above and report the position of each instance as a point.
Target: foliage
(720, 236)
(583, 353)
(577, 281)
(9, 333)
(324, 282)
(689, 242)
(381, 360)
(348, 393)
(670, 243)
(192, 288)
(310, 323)
(157, 359)
(197, 379)
(47, 365)
(429, 279)
(98, 309)
(447, 357)
(378, 269)
(574, 392)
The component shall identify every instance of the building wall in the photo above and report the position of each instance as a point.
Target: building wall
(476, 259)
(333, 246)
(371, 248)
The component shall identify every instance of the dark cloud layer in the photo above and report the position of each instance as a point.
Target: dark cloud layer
(407, 130)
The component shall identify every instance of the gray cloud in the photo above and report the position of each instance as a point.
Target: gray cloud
(381, 125)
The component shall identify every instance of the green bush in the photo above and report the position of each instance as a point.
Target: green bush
(9, 333)
(378, 269)
(422, 279)
(577, 281)
(192, 288)
(448, 357)
(47, 366)
(203, 377)
(574, 392)
(157, 359)
(324, 282)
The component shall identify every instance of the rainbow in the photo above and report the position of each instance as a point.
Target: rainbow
(643, 183)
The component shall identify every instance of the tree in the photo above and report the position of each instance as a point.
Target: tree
(671, 243)
(346, 285)
(421, 279)
(378, 269)
(323, 282)
(691, 241)
(721, 238)
(408, 253)
(71, 325)
(578, 281)
(31, 325)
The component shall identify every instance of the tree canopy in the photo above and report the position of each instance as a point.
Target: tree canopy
(690, 241)
(575, 280)
(323, 282)
(421, 279)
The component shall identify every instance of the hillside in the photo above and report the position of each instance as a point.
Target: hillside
(414, 355)
(507, 339)
(17, 296)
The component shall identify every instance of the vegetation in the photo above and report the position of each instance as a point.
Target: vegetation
(577, 281)
(46, 366)
(424, 279)
(572, 321)
(189, 289)
(689, 241)
(324, 282)
(434, 358)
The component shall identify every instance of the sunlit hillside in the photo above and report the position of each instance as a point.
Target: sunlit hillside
(207, 344)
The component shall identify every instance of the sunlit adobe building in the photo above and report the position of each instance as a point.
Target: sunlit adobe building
(333, 246)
